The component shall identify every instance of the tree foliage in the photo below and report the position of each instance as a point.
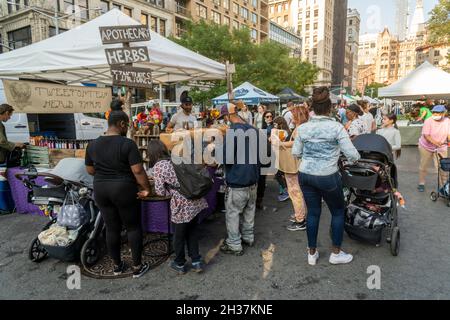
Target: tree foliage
(267, 66)
(439, 23)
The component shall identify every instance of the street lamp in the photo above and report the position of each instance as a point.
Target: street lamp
(55, 17)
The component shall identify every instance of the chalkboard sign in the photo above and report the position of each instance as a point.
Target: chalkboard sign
(127, 55)
(131, 77)
(124, 34)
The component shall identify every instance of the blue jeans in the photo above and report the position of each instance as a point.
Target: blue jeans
(328, 188)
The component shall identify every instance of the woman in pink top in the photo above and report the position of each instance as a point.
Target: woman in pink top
(435, 134)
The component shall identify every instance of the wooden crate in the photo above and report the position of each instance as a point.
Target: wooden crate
(38, 156)
(56, 155)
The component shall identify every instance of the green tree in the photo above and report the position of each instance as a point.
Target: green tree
(439, 23)
(268, 66)
(372, 89)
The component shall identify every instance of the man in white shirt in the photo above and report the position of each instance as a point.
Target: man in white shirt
(184, 117)
(287, 115)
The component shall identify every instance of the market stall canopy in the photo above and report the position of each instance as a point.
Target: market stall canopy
(334, 98)
(426, 80)
(289, 95)
(78, 55)
(249, 94)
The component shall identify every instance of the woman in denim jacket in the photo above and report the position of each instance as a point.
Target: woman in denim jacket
(319, 144)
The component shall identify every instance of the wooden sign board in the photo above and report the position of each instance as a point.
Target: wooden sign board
(131, 77)
(123, 34)
(41, 97)
(127, 55)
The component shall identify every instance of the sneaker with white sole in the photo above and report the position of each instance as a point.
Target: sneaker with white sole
(341, 258)
(312, 259)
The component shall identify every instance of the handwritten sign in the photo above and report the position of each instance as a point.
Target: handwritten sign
(39, 97)
(127, 55)
(131, 77)
(122, 34)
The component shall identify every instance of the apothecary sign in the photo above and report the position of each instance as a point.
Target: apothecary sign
(123, 34)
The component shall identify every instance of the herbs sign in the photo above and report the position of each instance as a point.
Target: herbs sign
(121, 59)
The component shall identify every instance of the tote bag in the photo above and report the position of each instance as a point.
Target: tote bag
(287, 163)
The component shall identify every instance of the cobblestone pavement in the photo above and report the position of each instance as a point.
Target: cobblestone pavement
(276, 268)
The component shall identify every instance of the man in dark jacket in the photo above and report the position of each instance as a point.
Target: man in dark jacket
(6, 147)
(242, 170)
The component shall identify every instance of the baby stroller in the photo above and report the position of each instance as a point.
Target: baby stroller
(84, 241)
(443, 191)
(371, 193)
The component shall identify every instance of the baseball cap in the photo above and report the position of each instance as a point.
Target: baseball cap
(439, 109)
(227, 109)
(186, 100)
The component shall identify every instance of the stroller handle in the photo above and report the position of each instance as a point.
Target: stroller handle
(49, 177)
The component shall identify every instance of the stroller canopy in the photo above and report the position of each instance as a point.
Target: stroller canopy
(374, 143)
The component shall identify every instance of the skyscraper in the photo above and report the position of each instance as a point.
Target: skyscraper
(339, 39)
(418, 20)
(401, 18)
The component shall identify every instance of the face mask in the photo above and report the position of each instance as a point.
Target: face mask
(437, 118)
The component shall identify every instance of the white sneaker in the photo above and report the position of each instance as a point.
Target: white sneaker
(341, 258)
(312, 259)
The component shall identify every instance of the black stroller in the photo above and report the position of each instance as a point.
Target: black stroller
(88, 245)
(443, 191)
(371, 187)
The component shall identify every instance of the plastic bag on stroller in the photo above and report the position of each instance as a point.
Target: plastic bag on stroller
(361, 217)
(73, 215)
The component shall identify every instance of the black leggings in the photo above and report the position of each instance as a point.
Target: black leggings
(186, 234)
(119, 207)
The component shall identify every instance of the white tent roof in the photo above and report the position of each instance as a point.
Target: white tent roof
(426, 80)
(78, 55)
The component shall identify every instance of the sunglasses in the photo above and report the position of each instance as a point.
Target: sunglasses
(269, 117)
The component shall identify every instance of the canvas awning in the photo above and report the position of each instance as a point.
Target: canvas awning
(426, 80)
(78, 55)
(290, 95)
(249, 94)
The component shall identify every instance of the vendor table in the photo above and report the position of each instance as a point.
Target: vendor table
(156, 215)
(410, 135)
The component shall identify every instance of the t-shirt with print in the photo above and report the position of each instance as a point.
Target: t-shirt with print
(368, 119)
(112, 158)
(179, 118)
(438, 131)
(357, 127)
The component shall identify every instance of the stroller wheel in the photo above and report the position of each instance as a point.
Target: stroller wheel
(395, 241)
(36, 253)
(434, 196)
(90, 253)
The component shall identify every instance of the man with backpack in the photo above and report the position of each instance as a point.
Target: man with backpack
(287, 115)
(242, 170)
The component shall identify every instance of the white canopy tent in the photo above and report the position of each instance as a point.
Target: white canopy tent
(426, 80)
(78, 55)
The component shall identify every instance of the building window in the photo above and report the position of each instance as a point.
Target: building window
(216, 2)
(10, 8)
(202, 11)
(316, 25)
(84, 9)
(158, 3)
(254, 34)
(226, 21)
(216, 17)
(254, 18)
(104, 5)
(307, 27)
(255, 3)
(308, 14)
(272, 9)
(128, 11)
(144, 19)
(117, 6)
(235, 8)
(235, 24)
(162, 27)
(52, 31)
(437, 53)
(244, 13)
(19, 38)
(69, 6)
(154, 24)
(351, 22)
(280, 8)
(226, 4)
(316, 13)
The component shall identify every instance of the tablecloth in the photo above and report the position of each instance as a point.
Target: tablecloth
(20, 192)
(410, 135)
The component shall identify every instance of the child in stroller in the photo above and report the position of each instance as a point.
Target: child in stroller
(371, 193)
(67, 181)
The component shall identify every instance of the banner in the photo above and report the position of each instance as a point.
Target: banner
(41, 97)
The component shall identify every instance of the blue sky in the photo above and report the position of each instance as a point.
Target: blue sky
(376, 14)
